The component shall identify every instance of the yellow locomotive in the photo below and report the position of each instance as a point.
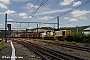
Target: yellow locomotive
(60, 34)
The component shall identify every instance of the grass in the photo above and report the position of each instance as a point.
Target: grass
(2, 45)
(67, 42)
(56, 40)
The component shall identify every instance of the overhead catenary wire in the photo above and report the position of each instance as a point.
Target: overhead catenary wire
(48, 21)
(80, 20)
(72, 8)
(62, 8)
(36, 9)
(51, 19)
(76, 21)
(75, 8)
(30, 9)
(56, 13)
(33, 13)
(75, 17)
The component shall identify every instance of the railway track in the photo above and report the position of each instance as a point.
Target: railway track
(47, 53)
(70, 46)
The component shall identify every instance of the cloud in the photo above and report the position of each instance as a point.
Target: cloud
(43, 10)
(66, 2)
(20, 0)
(77, 3)
(66, 18)
(45, 18)
(73, 20)
(1, 13)
(5, 1)
(3, 6)
(10, 12)
(84, 17)
(68, 25)
(45, 25)
(77, 13)
(30, 5)
(50, 11)
(10, 20)
(24, 15)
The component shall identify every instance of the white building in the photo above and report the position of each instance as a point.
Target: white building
(86, 31)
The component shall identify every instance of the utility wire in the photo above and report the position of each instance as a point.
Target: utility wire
(73, 18)
(37, 9)
(77, 21)
(26, 12)
(30, 9)
(43, 2)
(63, 8)
(51, 19)
(75, 8)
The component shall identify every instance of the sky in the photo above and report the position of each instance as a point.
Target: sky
(71, 13)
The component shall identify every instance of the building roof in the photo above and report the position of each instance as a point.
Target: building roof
(87, 28)
(40, 30)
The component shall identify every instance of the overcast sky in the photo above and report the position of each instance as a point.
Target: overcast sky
(22, 10)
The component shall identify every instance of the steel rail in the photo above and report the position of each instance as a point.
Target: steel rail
(44, 52)
(87, 49)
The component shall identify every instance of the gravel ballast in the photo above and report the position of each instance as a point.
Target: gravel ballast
(74, 52)
(24, 53)
(5, 53)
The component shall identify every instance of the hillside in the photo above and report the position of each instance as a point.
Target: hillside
(73, 29)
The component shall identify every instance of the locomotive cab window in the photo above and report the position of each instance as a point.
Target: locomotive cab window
(63, 33)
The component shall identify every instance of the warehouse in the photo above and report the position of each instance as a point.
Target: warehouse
(86, 31)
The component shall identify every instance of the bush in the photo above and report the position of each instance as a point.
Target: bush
(88, 38)
(79, 37)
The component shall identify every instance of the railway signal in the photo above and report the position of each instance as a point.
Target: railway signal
(9, 27)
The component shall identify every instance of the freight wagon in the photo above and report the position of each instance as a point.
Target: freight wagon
(60, 34)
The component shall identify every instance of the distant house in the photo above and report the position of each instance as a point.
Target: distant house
(86, 31)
